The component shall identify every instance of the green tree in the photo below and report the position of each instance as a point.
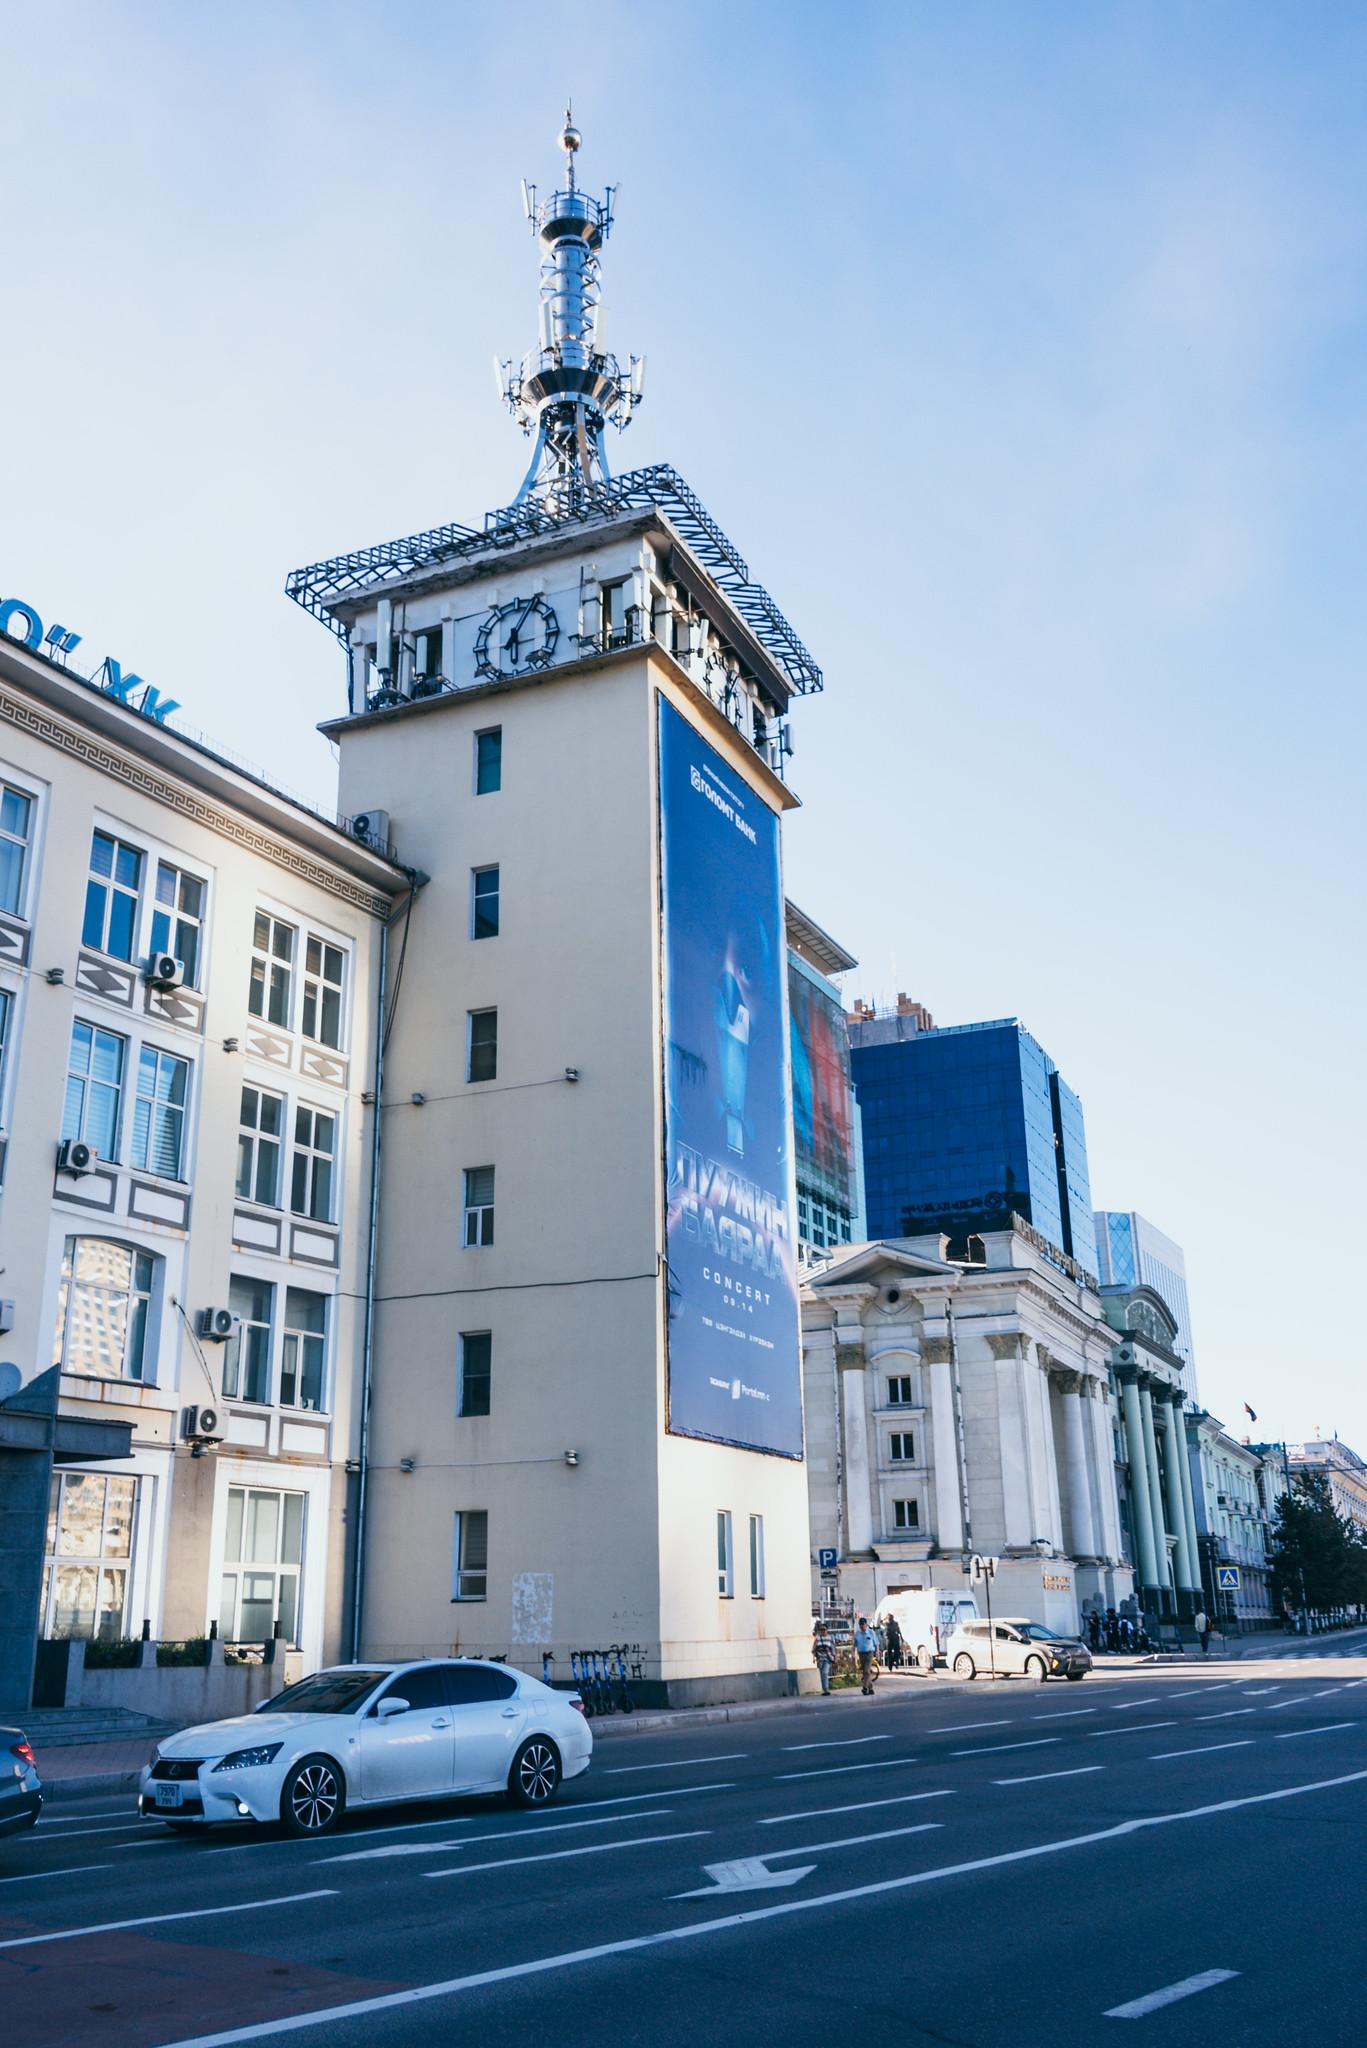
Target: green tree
(1317, 1558)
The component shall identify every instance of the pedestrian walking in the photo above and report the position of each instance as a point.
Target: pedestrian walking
(823, 1650)
(894, 1641)
(1112, 1629)
(866, 1648)
(1201, 1623)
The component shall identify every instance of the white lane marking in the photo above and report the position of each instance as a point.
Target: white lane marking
(1189, 1694)
(1255, 1692)
(1230, 1713)
(1330, 1729)
(778, 1820)
(609, 1820)
(732, 1756)
(1138, 2007)
(76, 1820)
(962, 1727)
(620, 1799)
(419, 1994)
(1067, 1714)
(1038, 1777)
(1153, 1700)
(884, 1763)
(925, 1827)
(157, 1919)
(77, 1870)
(1202, 1749)
(845, 1742)
(1278, 1704)
(991, 1748)
(80, 1834)
(559, 1855)
(1325, 1694)
(1129, 1728)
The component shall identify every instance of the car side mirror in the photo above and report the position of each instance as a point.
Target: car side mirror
(390, 1706)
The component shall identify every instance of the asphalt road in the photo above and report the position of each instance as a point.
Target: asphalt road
(989, 1864)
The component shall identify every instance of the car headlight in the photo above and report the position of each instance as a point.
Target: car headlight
(247, 1759)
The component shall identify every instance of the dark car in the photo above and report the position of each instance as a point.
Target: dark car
(21, 1789)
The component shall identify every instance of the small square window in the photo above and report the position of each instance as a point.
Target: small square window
(481, 1062)
(906, 1514)
(903, 1447)
(489, 761)
(899, 1391)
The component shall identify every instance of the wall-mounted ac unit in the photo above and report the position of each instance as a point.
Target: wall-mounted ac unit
(165, 971)
(201, 1426)
(75, 1157)
(217, 1324)
(371, 828)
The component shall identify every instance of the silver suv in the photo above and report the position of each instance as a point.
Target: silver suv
(1015, 1648)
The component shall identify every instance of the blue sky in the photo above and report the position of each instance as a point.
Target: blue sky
(1019, 349)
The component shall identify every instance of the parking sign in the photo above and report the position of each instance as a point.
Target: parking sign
(826, 1560)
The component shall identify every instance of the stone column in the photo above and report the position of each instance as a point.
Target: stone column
(1172, 1459)
(1013, 1444)
(1146, 1556)
(1160, 1531)
(1103, 1468)
(1082, 1539)
(1179, 1419)
(944, 1437)
(858, 1474)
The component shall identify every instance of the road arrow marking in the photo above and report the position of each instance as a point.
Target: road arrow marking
(747, 1874)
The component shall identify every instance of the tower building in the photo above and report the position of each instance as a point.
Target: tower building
(583, 1401)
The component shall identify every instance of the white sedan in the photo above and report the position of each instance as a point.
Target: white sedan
(368, 1735)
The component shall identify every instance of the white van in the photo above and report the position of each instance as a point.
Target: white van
(927, 1619)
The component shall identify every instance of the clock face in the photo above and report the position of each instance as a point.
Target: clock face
(517, 638)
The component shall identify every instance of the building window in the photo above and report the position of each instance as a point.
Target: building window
(726, 1580)
(324, 965)
(906, 1515)
(263, 1552)
(89, 1553)
(159, 1113)
(479, 1206)
(6, 1008)
(315, 1149)
(104, 1309)
(261, 1129)
(178, 918)
(94, 1088)
(489, 761)
(484, 910)
(482, 1052)
(756, 1557)
(476, 1366)
(268, 992)
(247, 1353)
(899, 1391)
(470, 1561)
(111, 896)
(16, 824)
(902, 1447)
(302, 1349)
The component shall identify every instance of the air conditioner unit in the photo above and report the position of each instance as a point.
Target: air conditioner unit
(165, 971)
(201, 1425)
(217, 1324)
(371, 828)
(75, 1157)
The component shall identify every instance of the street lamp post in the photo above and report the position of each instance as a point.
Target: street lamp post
(985, 1569)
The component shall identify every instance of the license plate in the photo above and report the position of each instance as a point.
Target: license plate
(168, 1795)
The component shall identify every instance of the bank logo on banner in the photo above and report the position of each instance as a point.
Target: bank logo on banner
(735, 1372)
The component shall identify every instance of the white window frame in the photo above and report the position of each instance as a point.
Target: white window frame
(756, 1557)
(175, 917)
(316, 984)
(301, 1338)
(269, 959)
(896, 1400)
(149, 1295)
(314, 1157)
(148, 1050)
(901, 1447)
(87, 1081)
(278, 1570)
(477, 1216)
(906, 1516)
(480, 1080)
(255, 1139)
(726, 1556)
(27, 843)
(112, 887)
(232, 1350)
(461, 1546)
(103, 1561)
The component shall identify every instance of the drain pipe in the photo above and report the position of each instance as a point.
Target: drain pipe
(368, 1322)
(961, 1448)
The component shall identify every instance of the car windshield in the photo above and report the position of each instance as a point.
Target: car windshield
(1037, 1633)
(327, 1692)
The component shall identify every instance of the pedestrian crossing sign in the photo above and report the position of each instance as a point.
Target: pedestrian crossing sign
(1227, 1577)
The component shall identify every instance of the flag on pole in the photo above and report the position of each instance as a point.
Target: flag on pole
(1249, 1413)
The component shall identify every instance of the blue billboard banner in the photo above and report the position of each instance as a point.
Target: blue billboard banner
(735, 1371)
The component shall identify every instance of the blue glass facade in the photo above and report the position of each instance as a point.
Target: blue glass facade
(963, 1125)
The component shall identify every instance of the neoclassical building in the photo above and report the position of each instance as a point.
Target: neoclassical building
(955, 1408)
(1157, 1505)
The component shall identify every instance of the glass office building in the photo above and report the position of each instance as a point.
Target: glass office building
(1132, 1253)
(965, 1124)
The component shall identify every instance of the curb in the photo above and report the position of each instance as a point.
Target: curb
(59, 1791)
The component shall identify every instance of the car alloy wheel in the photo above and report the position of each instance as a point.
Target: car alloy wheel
(535, 1775)
(311, 1801)
(1034, 1668)
(924, 1660)
(964, 1666)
